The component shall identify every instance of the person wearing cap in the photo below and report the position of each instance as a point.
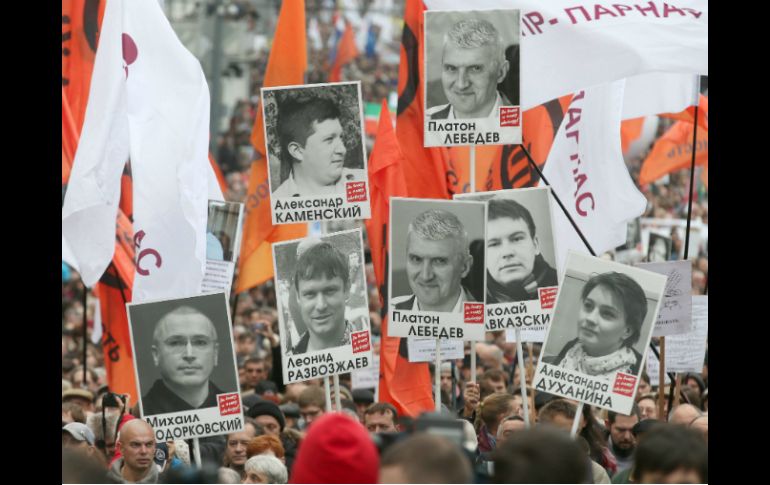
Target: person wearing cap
(363, 399)
(270, 417)
(78, 436)
(83, 397)
(337, 449)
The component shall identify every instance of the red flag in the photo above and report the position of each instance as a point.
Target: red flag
(404, 384)
(80, 21)
(346, 52)
(689, 114)
(512, 169)
(285, 66)
(425, 169)
(673, 151)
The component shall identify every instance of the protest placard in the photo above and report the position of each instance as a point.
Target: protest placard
(185, 366)
(472, 78)
(368, 378)
(676, 310)
(521, 260)
(316, 153)
(601, 327)
(223, 241)
(324, 304)
(658, 248)
(437, 276)
(685, 352)
(424, 349)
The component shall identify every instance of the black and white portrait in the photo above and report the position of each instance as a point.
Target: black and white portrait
(223, 230)
(183, 353)
(322, 304)
(658, 248)
(437, 254)
(314, 139)
(520, 252)
(601, 327)
(472, 73)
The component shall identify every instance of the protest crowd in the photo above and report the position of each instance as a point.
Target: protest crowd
(289, 436)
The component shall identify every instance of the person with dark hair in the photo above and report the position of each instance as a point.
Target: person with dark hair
(671, 454)
(621, 440)
(425, 458)
(540, 455)
(312, 149)
(381, 417)
(609, 322)
(322, 284)
(515, 266)
(235, 455)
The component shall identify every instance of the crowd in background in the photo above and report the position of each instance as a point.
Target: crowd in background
(642, 447)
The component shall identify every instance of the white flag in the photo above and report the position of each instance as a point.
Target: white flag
(149, 100)
(586, 170)
(659, 92)
(569, 45)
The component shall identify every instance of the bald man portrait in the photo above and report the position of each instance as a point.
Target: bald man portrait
(185, 350)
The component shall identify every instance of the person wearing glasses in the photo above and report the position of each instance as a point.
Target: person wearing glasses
(184, 351)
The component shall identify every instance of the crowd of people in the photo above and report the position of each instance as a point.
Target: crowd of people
(290, 437)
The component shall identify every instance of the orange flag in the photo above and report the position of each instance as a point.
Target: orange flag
(218, 173)
(404, 384)
(346, 52)
(673, 151)
(689, 114)
(80, 21)
(70, 135)
(285, 66)
(630, 130)
(511, 169)
(116, 340)
(425, 169)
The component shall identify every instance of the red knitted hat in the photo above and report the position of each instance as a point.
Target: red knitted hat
(337, 449)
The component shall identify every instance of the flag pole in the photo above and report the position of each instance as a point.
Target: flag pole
(574, 225)
(522, 376)
(662, 379)
(85, 333)
(328, 393)
(337, 398)
(576, 421)
(473, 189)
(437, 375)
(453, 397)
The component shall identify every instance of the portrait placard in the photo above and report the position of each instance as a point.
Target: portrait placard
(323, 307)
(675, 315)
(223, 242)
(471, 85)
(521, 260)
(600, 330)
(185, 366)
(314, 136)
(437, 277)
(658, 248)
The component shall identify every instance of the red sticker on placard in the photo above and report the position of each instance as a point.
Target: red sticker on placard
(360, 341)
(474, 313)
(547, 297)
(356, 191)
(229, 403)
(624, 384)
(509, 116)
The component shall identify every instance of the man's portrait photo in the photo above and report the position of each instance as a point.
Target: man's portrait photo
(437, 251)
(472, 63)
(314, 138)
(183, 352)
(326, 299)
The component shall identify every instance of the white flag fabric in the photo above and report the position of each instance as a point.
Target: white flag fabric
(659, 92)
(149, 101)
(586, 170)
(569, 45)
